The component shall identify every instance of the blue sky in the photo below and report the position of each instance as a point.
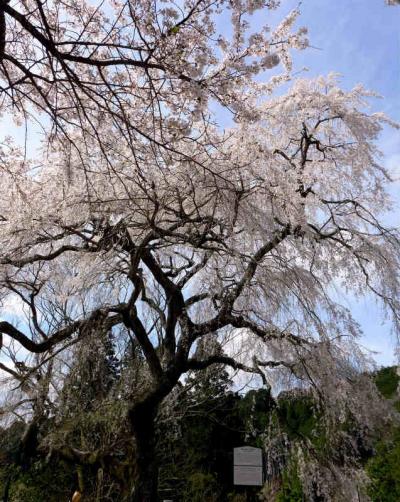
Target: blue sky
(360, 39)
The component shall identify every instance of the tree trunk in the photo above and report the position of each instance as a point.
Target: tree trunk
(6, 491)
(81, 478)
(142, 418)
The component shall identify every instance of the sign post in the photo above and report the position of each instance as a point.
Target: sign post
(247, 466)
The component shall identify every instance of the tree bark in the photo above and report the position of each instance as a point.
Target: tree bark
(142, 419)
(6, 491)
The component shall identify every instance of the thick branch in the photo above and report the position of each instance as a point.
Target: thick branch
(132, 321)
(201, 364)
(61, 335)
(39, 257)
(68, 56)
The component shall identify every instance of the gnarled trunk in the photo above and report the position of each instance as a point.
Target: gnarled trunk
(142, 419)
(6, 490)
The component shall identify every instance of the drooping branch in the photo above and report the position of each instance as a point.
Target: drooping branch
(21, 262)
(81, 327)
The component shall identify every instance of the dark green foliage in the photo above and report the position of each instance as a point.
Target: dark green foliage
(49, 482)
(384, 470)
(291, 489)
(42, 481)
(93, 376)
(198, 447)
(197, 455)
(387, 381)
(202, 486)
(298, 416)
(10, 439)
(254, 411)
(196, 437)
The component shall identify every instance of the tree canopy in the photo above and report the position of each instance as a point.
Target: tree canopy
(141, 216)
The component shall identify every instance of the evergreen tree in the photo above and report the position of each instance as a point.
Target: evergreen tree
(95, 371)
(86, 412)
(198, 450)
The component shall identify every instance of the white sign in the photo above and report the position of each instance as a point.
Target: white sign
(247, 455)
(248, 475)
(247, 468)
